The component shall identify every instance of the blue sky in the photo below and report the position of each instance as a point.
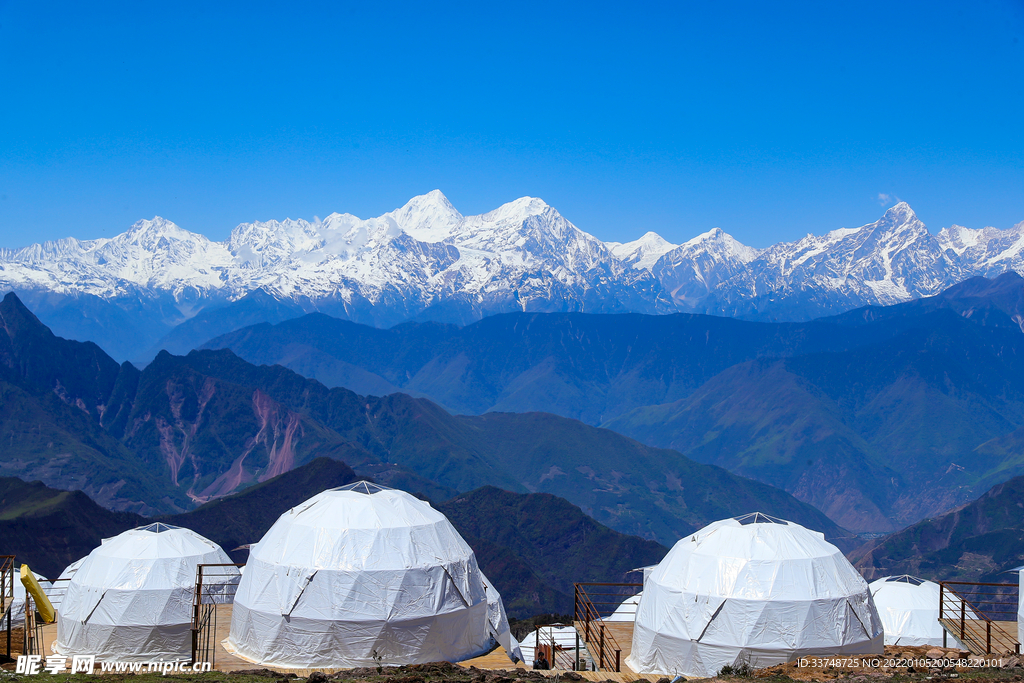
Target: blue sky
(769, 120)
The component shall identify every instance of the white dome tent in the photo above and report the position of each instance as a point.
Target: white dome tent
(562, 637)
(753, 590)
(909, 609)
(131, 598)
(626, 611)
(359, 572)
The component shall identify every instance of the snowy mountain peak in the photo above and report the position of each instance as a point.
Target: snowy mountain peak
(426, 258)
(900, 211)
(642, 253)
(719, 241)
(428, 217)
(518, 210)
(147, 231)
(901, 217)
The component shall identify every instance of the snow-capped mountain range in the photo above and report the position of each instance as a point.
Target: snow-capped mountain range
(428, 261)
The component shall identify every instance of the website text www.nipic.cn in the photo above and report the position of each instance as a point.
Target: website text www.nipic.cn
(31, 665)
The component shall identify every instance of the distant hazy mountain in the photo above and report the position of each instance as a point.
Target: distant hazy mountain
(539, 539)
(878, 437)
(426, 261)
(906, 423)
(879, 416)
(980, 541)
(49, 528)
(589, 367)
(531, 546)
(190, 429)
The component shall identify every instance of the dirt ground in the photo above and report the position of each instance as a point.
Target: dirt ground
(924, 663)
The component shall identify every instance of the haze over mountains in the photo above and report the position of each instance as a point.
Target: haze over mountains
(188, 429)
(513, 325)
(426, 261)
(879, 417)
(981, 541)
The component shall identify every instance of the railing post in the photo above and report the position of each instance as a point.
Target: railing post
(988, 636)
(602, 645)
(963, 614)
(586, 617)
(27, 629)
(617, 653)
(197, 601)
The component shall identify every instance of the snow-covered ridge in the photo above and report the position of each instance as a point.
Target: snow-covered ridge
(524, 255)
(422, 253)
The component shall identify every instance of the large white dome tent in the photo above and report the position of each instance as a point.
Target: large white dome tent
(909, 609)
(751, 590)
(363, 572)
(130, 599)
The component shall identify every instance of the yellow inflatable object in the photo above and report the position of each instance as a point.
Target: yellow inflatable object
(43, 606)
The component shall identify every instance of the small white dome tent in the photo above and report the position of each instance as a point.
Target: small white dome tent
(562, 637)
(18, 604)
(626, 611)
(751, 590)
(909, 609)
(362, 571)
(131, 598)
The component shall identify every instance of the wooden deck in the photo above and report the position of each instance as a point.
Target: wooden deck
(495, 659)
(618, 636)
(976, 636)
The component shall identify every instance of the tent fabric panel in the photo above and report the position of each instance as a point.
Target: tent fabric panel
(267, 639)
(128, 643)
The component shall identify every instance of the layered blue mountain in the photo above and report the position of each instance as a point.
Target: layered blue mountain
(982, 541)
(880, 416)
(190, 429)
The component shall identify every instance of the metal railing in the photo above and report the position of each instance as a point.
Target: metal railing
(211, 590)
(594, 601)
(559, 655)
(6, 595)
(979, 615)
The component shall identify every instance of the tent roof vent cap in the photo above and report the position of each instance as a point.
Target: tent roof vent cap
(906, 578)
(367, 487)
(157, 527)
(759, 518)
